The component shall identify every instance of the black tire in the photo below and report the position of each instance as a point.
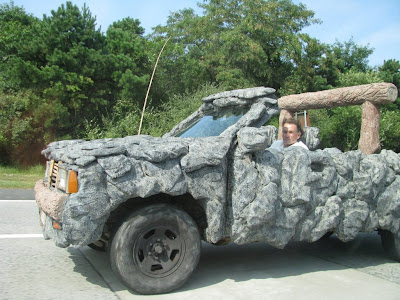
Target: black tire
(391, 244)
(156, 250)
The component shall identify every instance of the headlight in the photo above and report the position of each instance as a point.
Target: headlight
(67, 180)
(62, 177)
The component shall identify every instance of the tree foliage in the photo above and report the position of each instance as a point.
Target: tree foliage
(239, 43)
(77, 72)
(129, 58)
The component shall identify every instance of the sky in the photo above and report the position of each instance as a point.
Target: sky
(371, 23)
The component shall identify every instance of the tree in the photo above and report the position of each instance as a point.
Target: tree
(15, 30)
(52, 69)
(128, 55)
(181, 67)
(350, 56)
(67, 65)
(64, 65)
(73, 71)
(240, 43)
(308, 73)
(129, 69)
(19, 118)
(390, 72)
(320, 66)
(69, 69)
(390, 113)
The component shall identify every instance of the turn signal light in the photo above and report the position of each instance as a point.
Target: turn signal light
(73, 182)
(57, 225)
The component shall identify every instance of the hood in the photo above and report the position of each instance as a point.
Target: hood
(196, 152)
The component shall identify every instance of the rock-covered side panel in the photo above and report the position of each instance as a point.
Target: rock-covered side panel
(113, 171)
(302, 195)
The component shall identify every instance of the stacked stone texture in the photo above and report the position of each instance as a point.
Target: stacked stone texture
(302, 195)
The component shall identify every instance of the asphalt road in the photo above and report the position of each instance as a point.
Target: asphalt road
(32, 268)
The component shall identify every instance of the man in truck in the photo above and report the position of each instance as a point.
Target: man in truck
(291, 133)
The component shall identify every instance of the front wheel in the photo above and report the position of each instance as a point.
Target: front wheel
(156, 250)
(391, 244)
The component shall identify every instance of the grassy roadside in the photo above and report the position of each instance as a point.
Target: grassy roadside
(20, 178)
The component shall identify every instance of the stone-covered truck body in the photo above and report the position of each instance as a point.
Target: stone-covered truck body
(150, 201)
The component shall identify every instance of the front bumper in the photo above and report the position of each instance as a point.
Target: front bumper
(50, 205)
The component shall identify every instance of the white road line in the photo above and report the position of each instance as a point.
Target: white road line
(21, 236)
(17, 201)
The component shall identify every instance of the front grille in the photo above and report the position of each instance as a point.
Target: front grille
(52, 173)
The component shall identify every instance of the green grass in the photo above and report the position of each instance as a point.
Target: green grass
(20, 178)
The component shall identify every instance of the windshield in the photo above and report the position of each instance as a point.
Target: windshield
(213, 125)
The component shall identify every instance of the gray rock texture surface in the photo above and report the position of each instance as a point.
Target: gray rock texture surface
(302, 195)
(247, 191)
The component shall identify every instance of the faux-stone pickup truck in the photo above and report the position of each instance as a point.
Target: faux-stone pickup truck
(150, 201)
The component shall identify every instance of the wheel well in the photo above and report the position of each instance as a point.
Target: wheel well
(185, 202)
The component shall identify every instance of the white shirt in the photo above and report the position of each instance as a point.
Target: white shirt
(278, 145)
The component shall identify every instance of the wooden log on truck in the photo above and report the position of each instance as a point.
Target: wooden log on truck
(376, 93)
(369, 134)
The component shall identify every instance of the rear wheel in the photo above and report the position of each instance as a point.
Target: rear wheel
(156, 249)
(391, 244)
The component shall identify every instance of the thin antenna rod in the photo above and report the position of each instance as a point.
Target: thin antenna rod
(148, 88)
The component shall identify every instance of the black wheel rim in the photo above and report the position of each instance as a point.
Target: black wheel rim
(158, 251)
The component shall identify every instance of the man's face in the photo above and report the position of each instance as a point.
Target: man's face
(290, 134)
